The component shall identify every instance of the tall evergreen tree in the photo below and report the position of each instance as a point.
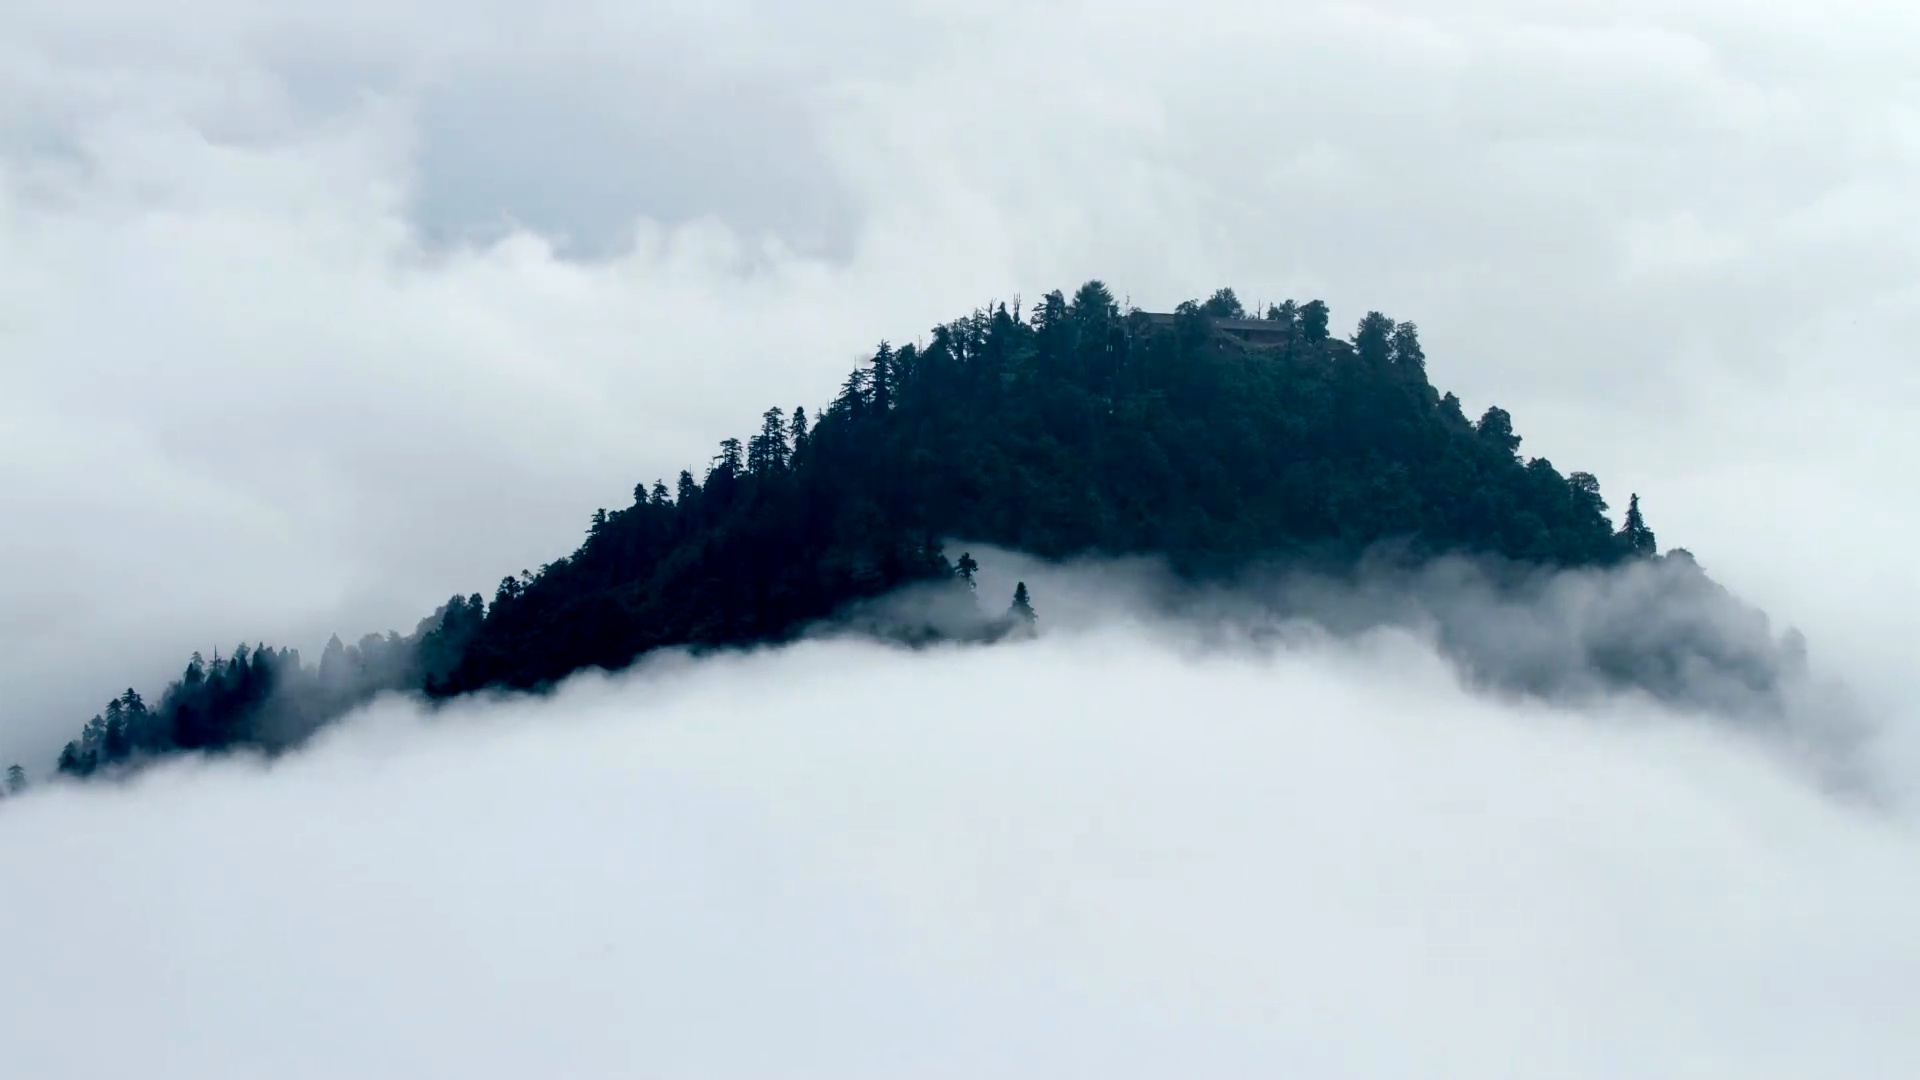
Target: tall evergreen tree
(1022, 608)
(1634, 533)
(118, 742)
(767, 451)
(881, 382)
(797, 430)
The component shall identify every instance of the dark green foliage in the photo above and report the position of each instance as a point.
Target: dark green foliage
(1634, 534)
(1223, 304)
(1082, 429)
(1373, 340)
(16, 779)
(266, 699)
(1314, 322)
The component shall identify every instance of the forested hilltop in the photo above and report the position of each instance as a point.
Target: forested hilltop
(1207, 437)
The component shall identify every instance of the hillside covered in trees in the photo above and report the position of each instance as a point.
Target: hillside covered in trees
(1076, 428)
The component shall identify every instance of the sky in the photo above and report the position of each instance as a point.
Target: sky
(310, 320)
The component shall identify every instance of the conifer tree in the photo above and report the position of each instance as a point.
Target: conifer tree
(1022, 608)
(1634, 532)
(797, 430)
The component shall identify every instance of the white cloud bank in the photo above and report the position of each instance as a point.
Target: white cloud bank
(1102, 853)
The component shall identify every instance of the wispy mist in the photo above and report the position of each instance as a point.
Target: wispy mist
(1661, 630)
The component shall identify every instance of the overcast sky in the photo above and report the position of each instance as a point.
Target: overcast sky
(312, 320)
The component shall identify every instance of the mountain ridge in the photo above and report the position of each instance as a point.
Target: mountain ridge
(1214, 442)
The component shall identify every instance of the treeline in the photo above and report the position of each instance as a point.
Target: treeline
(1076, 428)
(260, 697)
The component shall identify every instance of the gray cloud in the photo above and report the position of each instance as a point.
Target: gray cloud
(1661, 633)
(582, 155)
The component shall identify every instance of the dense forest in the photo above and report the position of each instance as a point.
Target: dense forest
(1211, 439)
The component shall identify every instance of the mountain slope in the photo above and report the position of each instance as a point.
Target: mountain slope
(1214, 443)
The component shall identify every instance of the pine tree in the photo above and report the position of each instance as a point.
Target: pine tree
(882, 380)
(1634, 533)
(94, 734)
(967, 568)
(1022, 609)
(728, 462)
(852, 401)
(333, 659)
(16, 779)
(118, 742)
(797, 430)
(145, 728)
(767, 451)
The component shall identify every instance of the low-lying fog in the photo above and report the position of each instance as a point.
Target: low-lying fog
(1104, 852)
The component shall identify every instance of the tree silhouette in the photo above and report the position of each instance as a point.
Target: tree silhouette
(1022, 608)
(1634, 533)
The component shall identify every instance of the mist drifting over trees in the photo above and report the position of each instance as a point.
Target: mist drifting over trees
(1228, 446)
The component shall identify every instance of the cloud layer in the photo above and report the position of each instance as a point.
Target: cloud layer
(1106, 852)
